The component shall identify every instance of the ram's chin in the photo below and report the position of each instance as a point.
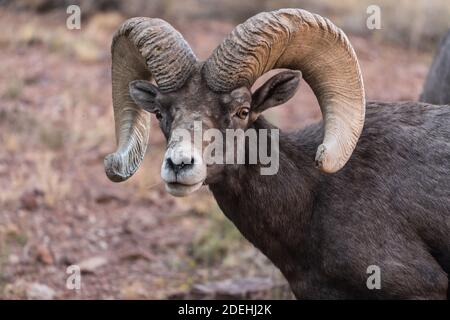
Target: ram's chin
(181, 190)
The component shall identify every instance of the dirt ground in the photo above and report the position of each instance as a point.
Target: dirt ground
(135, 241)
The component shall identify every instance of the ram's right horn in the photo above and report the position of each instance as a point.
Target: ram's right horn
(142, 48)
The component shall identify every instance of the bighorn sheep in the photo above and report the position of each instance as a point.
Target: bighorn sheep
(437, 85)
(373, 196)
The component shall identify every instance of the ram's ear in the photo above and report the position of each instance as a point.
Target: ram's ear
(144, 94)
(275, 91)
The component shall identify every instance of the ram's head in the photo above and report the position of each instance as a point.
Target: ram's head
(155, 71)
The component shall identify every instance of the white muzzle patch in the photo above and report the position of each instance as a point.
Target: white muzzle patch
(183, 169)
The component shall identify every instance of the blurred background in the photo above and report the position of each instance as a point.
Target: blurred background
(133, 240)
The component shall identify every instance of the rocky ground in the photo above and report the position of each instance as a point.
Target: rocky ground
(133, 240)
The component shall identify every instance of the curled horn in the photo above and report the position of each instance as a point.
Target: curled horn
(297, 39)
(142, 48)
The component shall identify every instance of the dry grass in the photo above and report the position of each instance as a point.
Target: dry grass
(54, 186)
(14, 89)
(217, 240)
(419, 24)
(86, 46)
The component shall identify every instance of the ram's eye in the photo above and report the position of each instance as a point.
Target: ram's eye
(243, 113)
(158, 115)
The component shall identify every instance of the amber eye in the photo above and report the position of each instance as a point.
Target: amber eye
(158, 115)
(243, 113)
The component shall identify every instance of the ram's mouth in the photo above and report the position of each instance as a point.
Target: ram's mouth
(180, 190)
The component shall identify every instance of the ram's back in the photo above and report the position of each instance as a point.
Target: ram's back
(396, 186)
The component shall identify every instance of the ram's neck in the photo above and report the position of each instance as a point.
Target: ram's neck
(272, 211)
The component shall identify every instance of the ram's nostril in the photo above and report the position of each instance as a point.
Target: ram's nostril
(177, 167)
(170, 163)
